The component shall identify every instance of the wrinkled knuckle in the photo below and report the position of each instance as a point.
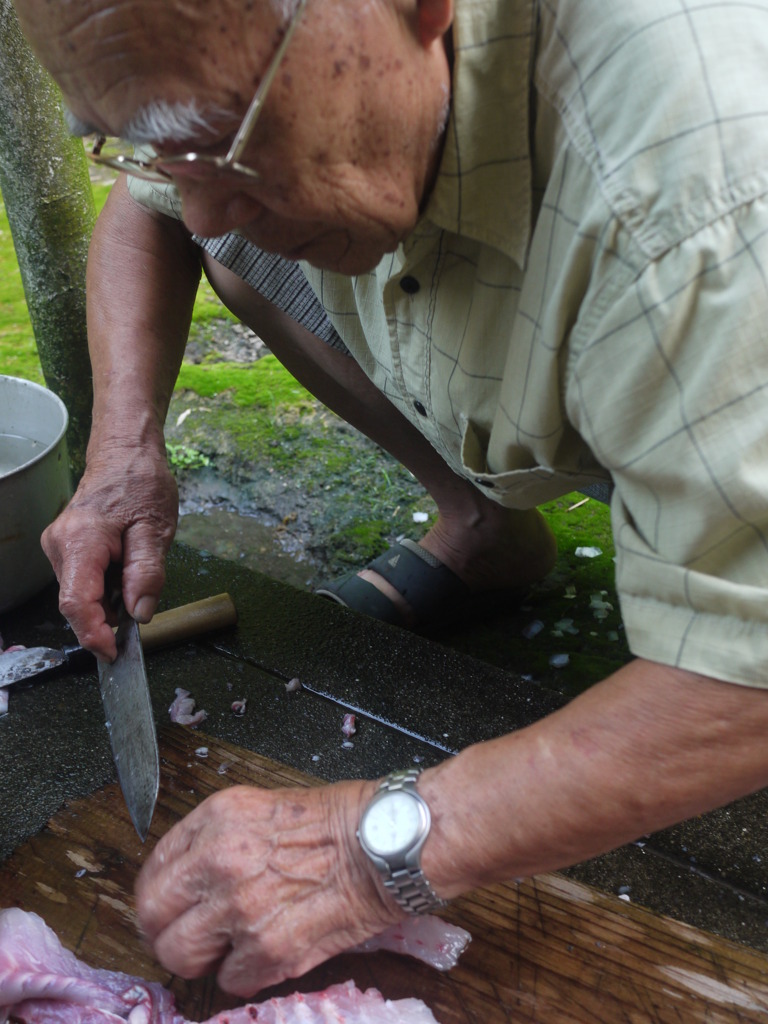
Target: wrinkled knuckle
(69, 606)
(50, 547)
(225, 805)
(87, 637)
(54, 535)
(147, 910)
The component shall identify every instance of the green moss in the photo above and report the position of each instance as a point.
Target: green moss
(264, 384)
(360, 541)
(208, 306)
(18, 351)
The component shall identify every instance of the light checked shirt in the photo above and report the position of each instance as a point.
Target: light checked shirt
(585, 297)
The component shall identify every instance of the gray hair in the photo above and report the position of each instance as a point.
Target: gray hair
(157, 120)
(170, 122)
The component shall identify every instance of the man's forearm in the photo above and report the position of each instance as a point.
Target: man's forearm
(143, 272)
(647, 747)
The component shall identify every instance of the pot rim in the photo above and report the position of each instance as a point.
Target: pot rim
(49, 446)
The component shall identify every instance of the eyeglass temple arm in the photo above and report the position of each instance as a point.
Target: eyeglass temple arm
(244, 131)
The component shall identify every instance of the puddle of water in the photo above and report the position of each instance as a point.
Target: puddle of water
(249, 542)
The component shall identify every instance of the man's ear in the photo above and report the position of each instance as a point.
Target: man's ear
(434, 19)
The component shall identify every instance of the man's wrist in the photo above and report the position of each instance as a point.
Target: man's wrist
(119, 428)
(394, 827)
(439, 854)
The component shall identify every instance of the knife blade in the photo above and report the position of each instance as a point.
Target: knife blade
(131, 724)
(182, 623)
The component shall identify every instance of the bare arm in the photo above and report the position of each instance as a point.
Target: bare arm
(264, 885)
(143, 272)
(645, 748)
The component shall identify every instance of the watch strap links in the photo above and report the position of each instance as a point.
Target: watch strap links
(411, 890)
(402, 778)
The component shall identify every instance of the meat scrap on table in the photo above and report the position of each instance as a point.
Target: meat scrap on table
(182, 709)
(41, 982)
(4, 690)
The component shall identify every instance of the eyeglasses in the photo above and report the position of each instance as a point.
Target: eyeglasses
(154, 169)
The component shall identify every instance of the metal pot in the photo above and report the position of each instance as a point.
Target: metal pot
(35, 484)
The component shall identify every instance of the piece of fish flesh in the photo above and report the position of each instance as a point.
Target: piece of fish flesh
(41, 982)
(182, 710)
(426, 937)
(349, 726)
(339, 1004)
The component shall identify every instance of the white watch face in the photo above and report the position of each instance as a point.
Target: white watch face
(392, 824)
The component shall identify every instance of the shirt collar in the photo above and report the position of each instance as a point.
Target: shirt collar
(483, 187)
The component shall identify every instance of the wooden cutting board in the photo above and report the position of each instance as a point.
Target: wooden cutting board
(548, 950)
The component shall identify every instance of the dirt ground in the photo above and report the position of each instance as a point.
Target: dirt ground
(296, 518)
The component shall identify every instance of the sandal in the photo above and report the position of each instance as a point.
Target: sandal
(433, 592)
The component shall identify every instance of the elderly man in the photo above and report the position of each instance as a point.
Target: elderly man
(540, 230)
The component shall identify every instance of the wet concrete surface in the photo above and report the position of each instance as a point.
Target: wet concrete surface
(415, 701)
(261, 542)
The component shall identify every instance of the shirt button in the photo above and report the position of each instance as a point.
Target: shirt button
(484, 483)
(419, 407)
(409, 284)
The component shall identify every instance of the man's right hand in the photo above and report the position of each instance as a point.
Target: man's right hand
(124, 511)
(143, 272)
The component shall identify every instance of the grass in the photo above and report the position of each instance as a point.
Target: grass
(18, 352)
(269, 387)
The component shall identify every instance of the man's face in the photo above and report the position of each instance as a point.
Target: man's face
(345, 146)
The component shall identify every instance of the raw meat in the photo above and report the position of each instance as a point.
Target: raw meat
(43, 983)
(182, 710)
(339, 1004)
(428, 938)
(348, 726)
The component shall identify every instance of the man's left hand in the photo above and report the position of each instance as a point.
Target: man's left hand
(262, 885)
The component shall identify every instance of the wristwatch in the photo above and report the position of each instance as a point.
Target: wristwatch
(393, 829)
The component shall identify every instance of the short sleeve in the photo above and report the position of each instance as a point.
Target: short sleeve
(671, 393)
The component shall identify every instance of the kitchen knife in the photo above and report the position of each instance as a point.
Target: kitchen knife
(166, 628)
(130, 723)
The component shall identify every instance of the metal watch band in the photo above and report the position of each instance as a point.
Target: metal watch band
(409, 886)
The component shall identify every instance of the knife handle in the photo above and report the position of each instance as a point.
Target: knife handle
(187, 621)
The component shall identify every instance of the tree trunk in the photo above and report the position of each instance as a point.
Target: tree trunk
(47, 194)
